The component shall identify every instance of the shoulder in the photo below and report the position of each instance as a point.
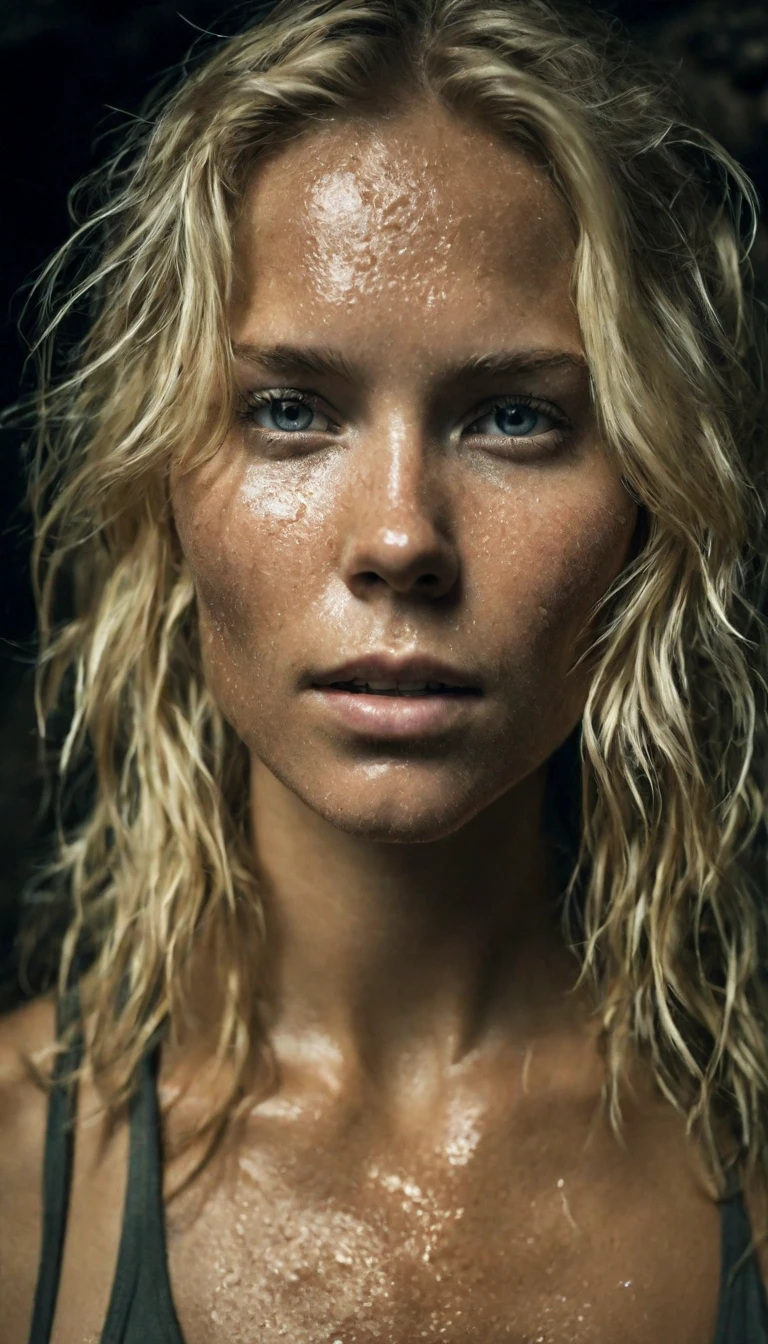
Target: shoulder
(24, 1034)
(96, 1196)
(29, 1027)
(23, 1109)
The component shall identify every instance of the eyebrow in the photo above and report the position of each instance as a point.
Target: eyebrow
(323, 360)
(327, 361)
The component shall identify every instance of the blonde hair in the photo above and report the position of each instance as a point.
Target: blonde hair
(665, 898)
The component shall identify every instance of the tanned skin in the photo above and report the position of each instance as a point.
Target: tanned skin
(432, 1163)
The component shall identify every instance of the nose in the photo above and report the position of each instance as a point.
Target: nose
(396, 523)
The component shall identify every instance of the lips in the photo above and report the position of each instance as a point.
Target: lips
(383, 674)
(406, 688)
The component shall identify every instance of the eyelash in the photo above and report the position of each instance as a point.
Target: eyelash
(561, 423)
(253, 401)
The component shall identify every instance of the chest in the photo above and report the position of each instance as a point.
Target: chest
(541, 1229)
(353, 1244)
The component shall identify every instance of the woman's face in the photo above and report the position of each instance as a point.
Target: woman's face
(414, 490)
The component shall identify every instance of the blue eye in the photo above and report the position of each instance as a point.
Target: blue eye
(288, 412)
(284, 410)
(514, 417)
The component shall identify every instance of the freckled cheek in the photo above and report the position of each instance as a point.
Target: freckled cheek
(255, 576)
(542, 575)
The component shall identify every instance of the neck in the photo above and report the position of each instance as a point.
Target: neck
(387, 958)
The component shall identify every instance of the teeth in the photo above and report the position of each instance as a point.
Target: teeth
(395, 687)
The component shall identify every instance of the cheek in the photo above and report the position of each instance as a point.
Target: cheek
(255, 549)
(263, 552)
(543, 568)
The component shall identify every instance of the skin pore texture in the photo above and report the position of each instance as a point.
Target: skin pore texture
(432, 1163)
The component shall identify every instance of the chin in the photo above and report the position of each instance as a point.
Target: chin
(396, 802)
(407, 818)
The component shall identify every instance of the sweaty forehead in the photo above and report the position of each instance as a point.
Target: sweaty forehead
(416, 208)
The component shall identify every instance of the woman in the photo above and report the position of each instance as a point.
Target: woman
(422, 365)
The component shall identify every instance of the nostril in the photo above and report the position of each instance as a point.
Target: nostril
(427, 566)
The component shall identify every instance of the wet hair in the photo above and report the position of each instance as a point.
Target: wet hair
(665, 893)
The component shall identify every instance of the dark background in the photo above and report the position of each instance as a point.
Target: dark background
(71, 72)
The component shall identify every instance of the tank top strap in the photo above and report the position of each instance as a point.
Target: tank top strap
(141, 1306)
(743, 1306)
(58, 1161)
(141, 1303)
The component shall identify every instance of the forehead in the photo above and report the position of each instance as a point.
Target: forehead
(420, 216)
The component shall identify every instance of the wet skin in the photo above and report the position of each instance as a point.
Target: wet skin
(409, 516)
(436, 501)
(432, 1164)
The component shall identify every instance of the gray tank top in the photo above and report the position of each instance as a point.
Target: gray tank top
(141, 1305)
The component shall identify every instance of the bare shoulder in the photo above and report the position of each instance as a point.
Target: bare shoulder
(28, 1027)
(24, 1032)
(23, 1110)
